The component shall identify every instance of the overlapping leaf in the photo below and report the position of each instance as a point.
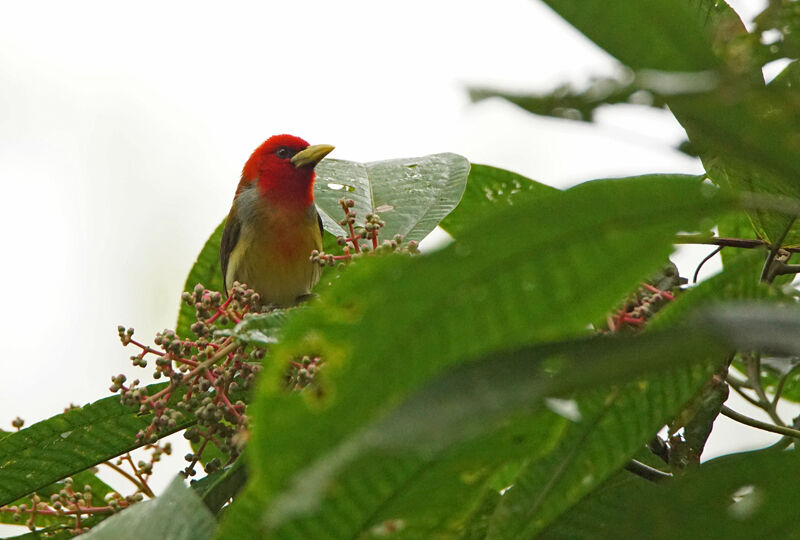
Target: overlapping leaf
(647, 34)
(68, 443)
(510, 290)
(411, 195)
(741, 496)
(488, 187)
(177, 514)
(735, 132)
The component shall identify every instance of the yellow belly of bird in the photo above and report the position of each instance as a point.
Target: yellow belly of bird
(277, 266)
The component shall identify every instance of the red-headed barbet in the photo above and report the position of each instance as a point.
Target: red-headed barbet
(273, 225)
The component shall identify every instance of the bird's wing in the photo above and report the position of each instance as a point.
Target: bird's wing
(230, 236)
(319, 221)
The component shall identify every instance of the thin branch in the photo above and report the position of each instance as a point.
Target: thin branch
(144, 488)
(136, 473)
(739, 387)
(779, 389)
(704, 261)
(647, 472)
(722, 242)
(780, 268)
(735, 381)
(768, 274)
(752, 363)
(739, 390)
(782, 444)
(752, 422)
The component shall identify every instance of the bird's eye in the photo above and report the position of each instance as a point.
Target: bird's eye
(283, 152)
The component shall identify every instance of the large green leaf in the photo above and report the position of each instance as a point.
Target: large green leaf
(423, 469)
(745, 133)
(412, 195)
(68, 443)
(488, 187)
(430, 490)
(741, 496)
(176, 514)
(782, 18)
(660, 35)
(539, 270)
(454, 436)
(613, 426)
(527, 508)
(748, 141)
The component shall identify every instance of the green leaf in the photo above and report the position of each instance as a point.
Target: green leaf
(782, 18)
(789, 77)
(748, 141)
(571, 104)
(206, 270)
(177, 514)
(436, 424)
(516, 380)
(411, 195)
(614, 426)
(261, 329)
(646, 34)
(419, 469)
(758, 326)
(741, 496)
(217, 488)
(539, 270)
(68, 443)
(382, 490)
(488, 187)
(745, 133)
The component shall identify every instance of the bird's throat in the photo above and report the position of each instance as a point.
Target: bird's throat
(295, 193)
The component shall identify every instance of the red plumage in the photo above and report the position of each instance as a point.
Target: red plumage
(278, 180)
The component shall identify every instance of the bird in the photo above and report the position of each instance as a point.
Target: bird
(273, 225)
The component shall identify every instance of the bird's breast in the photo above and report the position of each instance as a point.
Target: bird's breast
(273, 252)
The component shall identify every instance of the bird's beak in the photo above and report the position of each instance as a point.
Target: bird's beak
(310, 156)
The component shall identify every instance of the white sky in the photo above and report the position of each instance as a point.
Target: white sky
(123, 132)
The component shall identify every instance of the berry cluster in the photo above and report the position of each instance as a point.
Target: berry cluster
(353, 245)
(206, 376)
(645, 302)
(302, 372)
(75, 506)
